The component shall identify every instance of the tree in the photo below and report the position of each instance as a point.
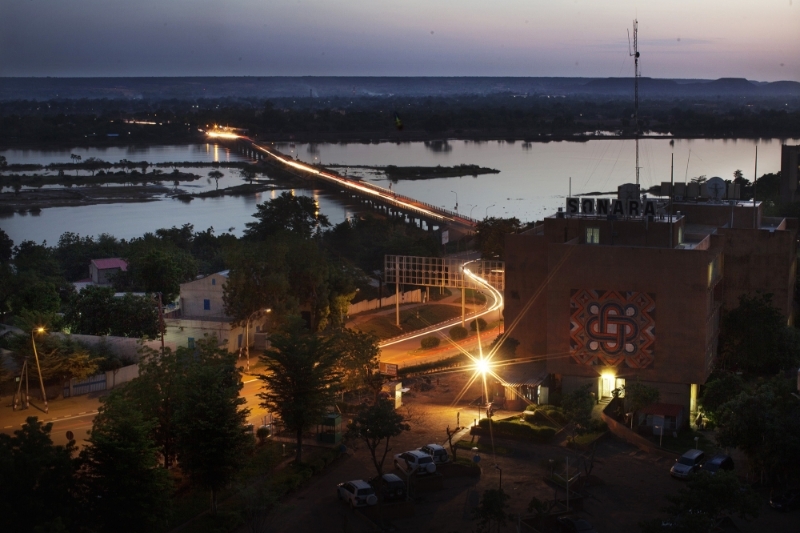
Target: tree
(38, 488)
(720, 389)
(257, 281)
(248, 174)
(157, 395)
(375, 425)
(295, 214)
(6, 247)
(216, 175)
(491, 512)
(578, 406)
(300, 380)
(157, 268)
(755, 339)
(705, 500)
(75, 158)
(210, 421)
(359, 356)
(60, 358)
(490, 234)
(126, 489)
(96, 311)
(504, 347)
(638, 395)
(763, 421)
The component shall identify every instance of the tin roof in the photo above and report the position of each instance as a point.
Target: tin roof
(111, 262)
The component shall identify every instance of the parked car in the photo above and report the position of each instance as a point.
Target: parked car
(688, 464)
(574, 525)
(414, 461)
(785, 500)
(357, 493)
(390, 486)
(718, 462)
(438, 453)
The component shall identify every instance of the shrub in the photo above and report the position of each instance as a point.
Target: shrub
(429, 343)
(502, 428)
(478, 322)
(262, 433)
(458, 333)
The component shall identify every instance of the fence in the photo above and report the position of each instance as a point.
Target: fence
(414, 296)
(100, 382)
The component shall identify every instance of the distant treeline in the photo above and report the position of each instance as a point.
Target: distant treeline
(499, 116)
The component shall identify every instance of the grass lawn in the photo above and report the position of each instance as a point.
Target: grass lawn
(438, 294)
(383, 326)
(474, 297)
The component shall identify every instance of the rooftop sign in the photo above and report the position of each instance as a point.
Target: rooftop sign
(607, 206)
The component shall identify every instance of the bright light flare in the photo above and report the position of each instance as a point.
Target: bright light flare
(222, 135)
(482, 365)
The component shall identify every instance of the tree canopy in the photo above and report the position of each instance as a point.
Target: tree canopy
(295, 214)
(490, 236)
(375, 425)
(300, 378)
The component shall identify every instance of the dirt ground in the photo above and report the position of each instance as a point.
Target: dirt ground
(629, 485)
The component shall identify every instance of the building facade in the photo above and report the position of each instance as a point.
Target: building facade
(602, 299)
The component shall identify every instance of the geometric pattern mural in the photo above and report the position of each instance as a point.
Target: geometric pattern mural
(612, 328)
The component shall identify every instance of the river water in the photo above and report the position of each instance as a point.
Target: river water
(534, 178)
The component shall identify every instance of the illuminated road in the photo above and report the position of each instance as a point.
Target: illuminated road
(486, 288)
(429, 212)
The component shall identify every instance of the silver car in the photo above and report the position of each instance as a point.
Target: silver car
(687, 464)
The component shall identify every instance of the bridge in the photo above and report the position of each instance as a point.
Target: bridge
(375, 196)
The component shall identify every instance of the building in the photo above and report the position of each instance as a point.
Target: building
(606, 291)
(102, 271)
(202, 312)
(790, 172)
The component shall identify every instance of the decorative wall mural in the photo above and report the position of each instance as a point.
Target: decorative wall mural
(612, 328)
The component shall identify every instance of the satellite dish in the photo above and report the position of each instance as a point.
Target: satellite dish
(716, 188)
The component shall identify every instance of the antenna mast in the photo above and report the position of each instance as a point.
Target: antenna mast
(635, 55)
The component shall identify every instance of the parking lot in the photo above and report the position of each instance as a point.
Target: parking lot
(628, 485)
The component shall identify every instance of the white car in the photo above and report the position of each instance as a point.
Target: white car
(687, 464)
(414, 461)
(357, 493)
(438, 453)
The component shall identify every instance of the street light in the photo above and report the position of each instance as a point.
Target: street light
(470, 211)
(39, 368)
(487, 210)
(247, 333)
(454, 192)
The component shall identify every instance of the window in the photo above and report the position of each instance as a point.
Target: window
(213, 281)
(592, 235)
(206, 305)
(191, 343)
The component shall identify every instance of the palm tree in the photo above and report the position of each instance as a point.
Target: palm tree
(75, 158)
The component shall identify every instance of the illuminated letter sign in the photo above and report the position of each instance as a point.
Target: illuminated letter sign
(602, 206)
(587, 206)
(573, 206)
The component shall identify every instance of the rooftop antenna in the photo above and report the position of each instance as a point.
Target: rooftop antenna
(635, 55)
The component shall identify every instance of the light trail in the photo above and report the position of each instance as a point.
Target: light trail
(496, 306)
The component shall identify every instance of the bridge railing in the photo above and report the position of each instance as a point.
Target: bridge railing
(389, 194)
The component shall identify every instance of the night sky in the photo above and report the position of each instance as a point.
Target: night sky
(759, 40)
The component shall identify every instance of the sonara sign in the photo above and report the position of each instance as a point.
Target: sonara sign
(606, 206)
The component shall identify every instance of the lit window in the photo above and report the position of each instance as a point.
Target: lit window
(592, 235)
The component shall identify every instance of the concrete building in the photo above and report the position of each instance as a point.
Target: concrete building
(790, 172)
(201, 312)
(604, 298)
(101, 271)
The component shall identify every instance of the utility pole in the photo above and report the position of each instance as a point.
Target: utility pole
(635, 55)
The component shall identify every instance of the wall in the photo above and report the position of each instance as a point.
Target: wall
(368, 305)
(179, 330)
(125, 347)
(207, 288)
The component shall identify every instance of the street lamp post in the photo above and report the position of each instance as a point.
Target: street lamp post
(454, 192)
(487, 211)
(39, 368)
(247, 334)
(497, 467)
(471, 210)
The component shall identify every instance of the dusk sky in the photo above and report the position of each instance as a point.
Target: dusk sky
(759, 40)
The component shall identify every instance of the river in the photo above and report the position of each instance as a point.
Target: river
(534, 178)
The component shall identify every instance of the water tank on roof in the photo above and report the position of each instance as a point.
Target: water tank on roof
(628, 191)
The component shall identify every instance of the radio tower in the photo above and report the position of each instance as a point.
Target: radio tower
(635, 55)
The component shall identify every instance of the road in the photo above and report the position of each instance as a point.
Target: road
(369, 190)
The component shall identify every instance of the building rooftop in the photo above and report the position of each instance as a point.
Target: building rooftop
(111, 262)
